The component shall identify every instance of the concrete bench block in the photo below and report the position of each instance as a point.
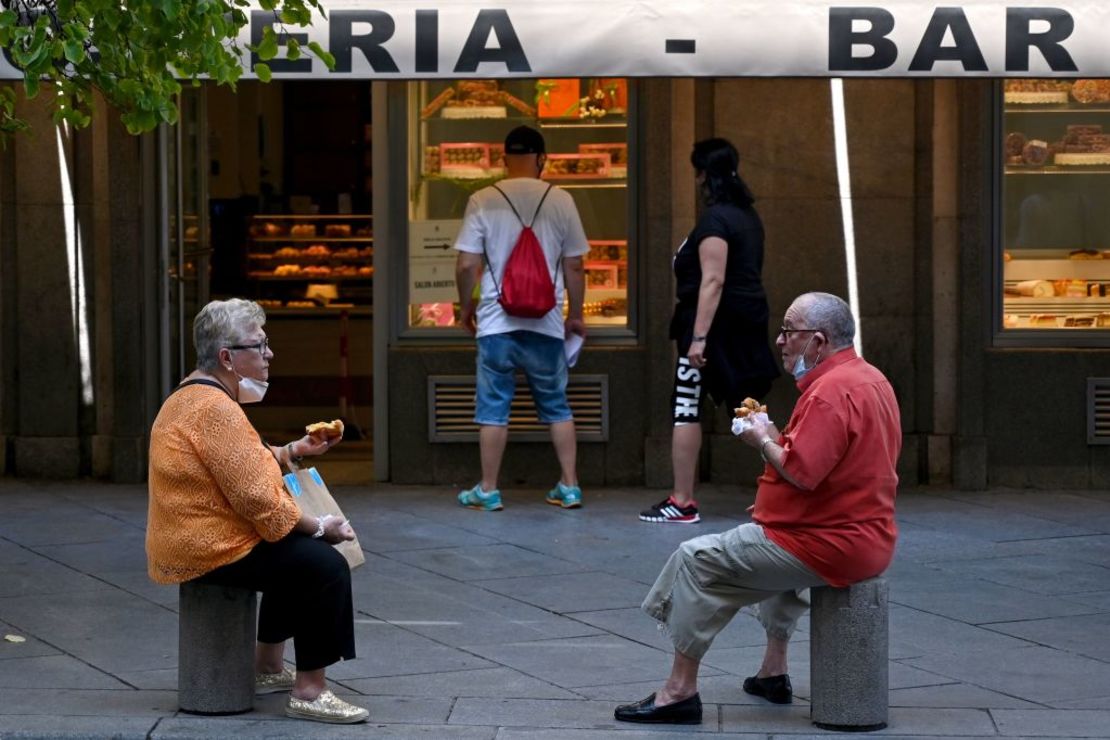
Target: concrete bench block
(848, 649)
(216, 636)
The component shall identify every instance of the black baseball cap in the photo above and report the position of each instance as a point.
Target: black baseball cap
(524, 140)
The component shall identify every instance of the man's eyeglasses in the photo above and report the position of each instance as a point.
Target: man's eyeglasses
(261, 346)
(787, 332)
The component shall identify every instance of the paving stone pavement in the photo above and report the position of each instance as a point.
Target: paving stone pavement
(524, 624)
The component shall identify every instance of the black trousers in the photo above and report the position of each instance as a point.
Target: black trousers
(306, 595)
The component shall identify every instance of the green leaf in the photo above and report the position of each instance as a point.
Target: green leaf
(268, 48)
(263, 72)
(75, 52)
(325, 57)
(293, 49)
(7, 18)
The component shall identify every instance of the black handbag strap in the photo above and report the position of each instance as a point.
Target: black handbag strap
(201, 381)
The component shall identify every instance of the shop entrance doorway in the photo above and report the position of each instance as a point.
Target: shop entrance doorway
(268, 197)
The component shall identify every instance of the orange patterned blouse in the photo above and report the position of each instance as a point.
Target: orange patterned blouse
(215, 489)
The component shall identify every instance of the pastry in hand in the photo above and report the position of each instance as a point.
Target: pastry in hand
(749, 406)
(326, 429)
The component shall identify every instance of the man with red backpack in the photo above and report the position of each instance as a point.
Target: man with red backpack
(529, 238)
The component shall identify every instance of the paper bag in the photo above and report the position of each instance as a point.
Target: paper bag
(310, 493)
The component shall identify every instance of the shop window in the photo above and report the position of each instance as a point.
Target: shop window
(456, 134)
(1055, 226)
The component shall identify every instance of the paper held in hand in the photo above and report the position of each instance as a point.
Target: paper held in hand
(573, 347)
(739, 426)
(307, 488)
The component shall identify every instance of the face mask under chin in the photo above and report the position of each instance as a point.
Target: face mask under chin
(800, 369)
(251, 390)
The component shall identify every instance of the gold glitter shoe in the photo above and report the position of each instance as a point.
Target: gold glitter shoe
(327, 707)
(273, 683)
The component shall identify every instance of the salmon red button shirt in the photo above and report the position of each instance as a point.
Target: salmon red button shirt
(841, 447)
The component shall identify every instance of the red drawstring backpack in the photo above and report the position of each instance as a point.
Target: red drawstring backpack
(527, 289)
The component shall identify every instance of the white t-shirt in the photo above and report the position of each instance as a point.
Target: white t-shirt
(489, 222)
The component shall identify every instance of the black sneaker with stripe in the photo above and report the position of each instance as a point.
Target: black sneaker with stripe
(669, 511)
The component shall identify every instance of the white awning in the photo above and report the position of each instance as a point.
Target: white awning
(419, 39)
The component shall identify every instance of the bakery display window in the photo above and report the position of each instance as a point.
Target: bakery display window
(456, 134)
(311, 262)
(1055, 226)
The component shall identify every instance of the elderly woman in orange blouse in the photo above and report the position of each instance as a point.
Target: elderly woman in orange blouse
(219, 513)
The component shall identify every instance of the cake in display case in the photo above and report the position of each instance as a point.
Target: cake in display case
(311, 262)
(1055, 154)
(458, 130)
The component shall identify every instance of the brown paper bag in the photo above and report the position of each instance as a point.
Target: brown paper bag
(308, 490)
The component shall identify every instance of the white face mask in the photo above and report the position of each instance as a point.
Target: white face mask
(800, 368)
(251, 390)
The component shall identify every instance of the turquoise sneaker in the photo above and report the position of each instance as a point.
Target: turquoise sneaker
(569, 497)
(476, 498)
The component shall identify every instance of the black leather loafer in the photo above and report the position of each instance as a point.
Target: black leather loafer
(685, 712)
(775, 689)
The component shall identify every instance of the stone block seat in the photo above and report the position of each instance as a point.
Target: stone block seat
(216, 636)
(848, 649)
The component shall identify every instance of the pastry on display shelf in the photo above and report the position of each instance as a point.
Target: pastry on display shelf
(337, 230)
(1091, 91)
(317, 250)
(1084, 254)
(1035, 152)
(1036, 92)
(1043, 319)
(1079, 321)
(1035, 289)
(1083, 158)
(303, 230)
(286, 270)
(287, 252)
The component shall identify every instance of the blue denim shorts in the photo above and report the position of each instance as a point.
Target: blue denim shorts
(544, 364)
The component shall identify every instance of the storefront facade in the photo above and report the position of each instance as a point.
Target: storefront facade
(894, 191)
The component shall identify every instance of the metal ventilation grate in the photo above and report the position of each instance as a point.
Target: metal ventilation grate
(451, 409)
(1098, 411)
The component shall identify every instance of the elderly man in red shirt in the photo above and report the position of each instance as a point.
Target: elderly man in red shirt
(823, 514)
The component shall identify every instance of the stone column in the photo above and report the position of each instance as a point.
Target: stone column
(849, 650)
(668, 208)
(48, 285)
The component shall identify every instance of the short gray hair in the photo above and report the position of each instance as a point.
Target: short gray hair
(831, 315)
(221, 324)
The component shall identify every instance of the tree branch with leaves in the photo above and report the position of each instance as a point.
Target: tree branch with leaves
(137, 53)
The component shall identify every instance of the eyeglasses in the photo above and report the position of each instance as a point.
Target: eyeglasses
(261, 346)
(787, 332)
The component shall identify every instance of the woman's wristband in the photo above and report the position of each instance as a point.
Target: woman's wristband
(763, 448)
(699, 339)
(292, 458)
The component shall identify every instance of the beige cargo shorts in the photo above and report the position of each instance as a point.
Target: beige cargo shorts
(709, 578)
